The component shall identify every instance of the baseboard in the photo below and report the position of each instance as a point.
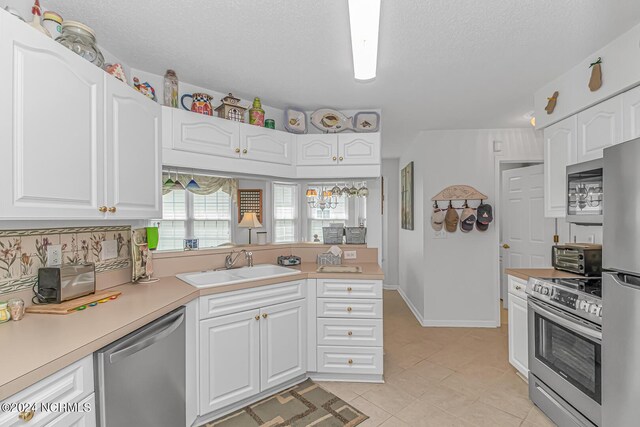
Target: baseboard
(412, 307)
(389, 287)
(361, 378)
(460, 323)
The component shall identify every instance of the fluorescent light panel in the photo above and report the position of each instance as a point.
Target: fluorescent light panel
(364, 17)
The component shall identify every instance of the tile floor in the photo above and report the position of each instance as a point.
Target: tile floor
(442, 377)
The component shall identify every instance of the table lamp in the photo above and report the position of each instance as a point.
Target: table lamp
(250, 220)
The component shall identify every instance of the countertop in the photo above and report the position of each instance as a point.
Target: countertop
(42, 344)
(544, 273)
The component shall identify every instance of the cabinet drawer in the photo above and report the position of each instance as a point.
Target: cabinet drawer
(335, 288)
(354, 332)
(517, 287)
(349, 308)
(71, 384)
(84, 417)
(350, 360)
(247, 299)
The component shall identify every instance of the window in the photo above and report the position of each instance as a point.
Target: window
(185, 214)
(319, 218)
(285, 212)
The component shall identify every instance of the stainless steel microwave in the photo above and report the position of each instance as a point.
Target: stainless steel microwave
(585, 198)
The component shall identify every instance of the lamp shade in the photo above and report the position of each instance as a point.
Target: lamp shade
(250, 220)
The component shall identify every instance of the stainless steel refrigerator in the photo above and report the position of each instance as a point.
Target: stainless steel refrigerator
(621, 286)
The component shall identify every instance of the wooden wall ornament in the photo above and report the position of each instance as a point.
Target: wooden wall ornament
(250, 201)
(551, 104)
(458, 192)
(595, 82)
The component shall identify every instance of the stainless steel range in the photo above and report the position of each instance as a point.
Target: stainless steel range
(565, 347)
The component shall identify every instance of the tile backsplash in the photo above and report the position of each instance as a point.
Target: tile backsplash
(23, 252)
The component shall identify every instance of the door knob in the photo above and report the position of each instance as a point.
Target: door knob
(506, 246)
(350, 361)
(349, 333)
(112, 209)
(341, 158)
(244, 151)
(237, 150)
(334, 158)
(102, 209)
(258, 317)
(265, 315)
(26, 415)
(349, 289)
(349, 309)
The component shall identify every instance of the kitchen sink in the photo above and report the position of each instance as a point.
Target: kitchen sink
(212, 278)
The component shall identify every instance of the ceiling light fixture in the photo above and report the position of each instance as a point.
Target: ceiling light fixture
(364, 18)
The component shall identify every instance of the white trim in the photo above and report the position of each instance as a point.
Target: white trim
(461, 323)
(390, 287)
(361, 378)
(412, 307)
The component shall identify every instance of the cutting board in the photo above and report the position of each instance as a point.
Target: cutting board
(339, 269)
(71, 305)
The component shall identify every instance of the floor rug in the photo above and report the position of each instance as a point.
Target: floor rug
(306, 404)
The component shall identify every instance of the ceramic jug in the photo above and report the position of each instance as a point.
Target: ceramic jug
(200, 103)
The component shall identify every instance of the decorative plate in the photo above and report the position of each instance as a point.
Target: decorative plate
(366, 121)
(329, 120)
(295, 120)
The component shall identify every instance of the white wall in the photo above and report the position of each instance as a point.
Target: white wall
(390, 222)
(454, 281)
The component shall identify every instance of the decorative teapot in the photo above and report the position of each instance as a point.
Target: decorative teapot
(200, 103)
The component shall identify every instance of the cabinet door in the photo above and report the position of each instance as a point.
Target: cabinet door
(560, 143)
(51, 132)
(229, 359)
(266, 145)
(317, 150)
(359, 149)
(282, 343)
(197, 133)
(133, 152)
(518, 334)
(598, 127)
(631, 114)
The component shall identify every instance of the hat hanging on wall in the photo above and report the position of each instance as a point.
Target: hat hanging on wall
(485, 216)
(437, 218)
(467, 219)
(451, 219)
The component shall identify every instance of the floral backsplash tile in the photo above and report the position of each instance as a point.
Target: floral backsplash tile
(23, 252)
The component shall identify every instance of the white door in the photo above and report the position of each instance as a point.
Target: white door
(317, 150)
(266, 145)
(631, 114)
(560, 147)
(518, 334)
(359, 149)
(527, 236)
(598, 127)
(134, 169)
(197, 133)
(282, 343)
(51, 131)
(229, 359)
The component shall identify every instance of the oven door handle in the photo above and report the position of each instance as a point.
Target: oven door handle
(564, 321)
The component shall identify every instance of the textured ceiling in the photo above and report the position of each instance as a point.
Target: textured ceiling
(442, 64)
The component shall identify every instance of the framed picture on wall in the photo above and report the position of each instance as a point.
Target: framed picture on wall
(406, 189)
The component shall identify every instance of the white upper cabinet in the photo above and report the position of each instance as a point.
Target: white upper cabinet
(317, 150)
(266, 145)
(197, 133)
(134, 169)
(598, 127)
(631, 114)
(359, 149)
(51, 133)
(560, 141)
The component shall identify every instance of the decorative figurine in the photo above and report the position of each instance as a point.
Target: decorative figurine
(145, 88)
(171, 89)
(551, 104)
(200, 103)
(595, 82)
(116, 71)
(230, 109)
(256, 113)
(37, 12)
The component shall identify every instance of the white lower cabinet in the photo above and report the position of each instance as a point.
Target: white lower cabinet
(350, 360)
(85, 416)
(68, 386)
(518, 326)
(243, 354)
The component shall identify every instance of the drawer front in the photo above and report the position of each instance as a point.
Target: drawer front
(349, 308)
(350, 332)
(84, 417)
(334, 288)
(350, 360)
(517, 286)
(71, 384)
(248, 299)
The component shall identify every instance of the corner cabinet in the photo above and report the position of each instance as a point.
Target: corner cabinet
(599, 127)
(71, 141)
(560, 142)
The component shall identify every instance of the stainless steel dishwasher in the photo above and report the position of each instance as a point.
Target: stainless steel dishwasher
(141, 377)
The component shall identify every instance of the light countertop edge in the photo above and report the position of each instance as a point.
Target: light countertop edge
(543, 273)
(41, 344)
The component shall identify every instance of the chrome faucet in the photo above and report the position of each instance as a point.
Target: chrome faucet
(230, 260)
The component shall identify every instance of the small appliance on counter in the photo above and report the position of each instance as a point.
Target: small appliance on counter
(578, 258)
(288, 260)
(65, 282)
